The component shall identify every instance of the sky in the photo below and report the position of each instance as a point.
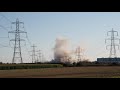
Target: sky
(87, 29)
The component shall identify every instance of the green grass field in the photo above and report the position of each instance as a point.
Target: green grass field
(64, 72)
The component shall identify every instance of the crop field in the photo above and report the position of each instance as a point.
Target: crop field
(64, 72)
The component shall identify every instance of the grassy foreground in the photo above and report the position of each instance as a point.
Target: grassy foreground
(65, 72)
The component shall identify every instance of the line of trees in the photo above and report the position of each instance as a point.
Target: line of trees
(88, 63)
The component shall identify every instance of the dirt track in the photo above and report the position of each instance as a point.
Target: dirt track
(67, 72)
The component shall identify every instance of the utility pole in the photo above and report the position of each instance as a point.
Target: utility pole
(112, 44)
(17, 48)
(33, 54)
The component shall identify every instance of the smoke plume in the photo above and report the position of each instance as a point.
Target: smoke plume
(63, 54)
(61, 51)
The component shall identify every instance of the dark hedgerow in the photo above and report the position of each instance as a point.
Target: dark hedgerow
(28, 66)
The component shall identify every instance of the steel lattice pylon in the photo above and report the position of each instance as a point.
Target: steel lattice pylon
(17, 48)
(34, 54)
(78, 54)
(112, 44)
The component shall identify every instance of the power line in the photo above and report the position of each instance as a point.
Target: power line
(5, 37)
(5, 17)
(27, 37)
(3, 45)
(4, 28)
(28, 52)
(28, 40)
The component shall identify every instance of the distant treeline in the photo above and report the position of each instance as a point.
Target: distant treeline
(28, 66)
(9, 66)
(87, 63)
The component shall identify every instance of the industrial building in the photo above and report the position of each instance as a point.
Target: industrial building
(108, 60)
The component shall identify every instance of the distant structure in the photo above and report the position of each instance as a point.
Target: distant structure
(78, 54)
(112, 45)
(17, 47)
(112, 55)
(39, 56)
(108, 60)
(33, 54)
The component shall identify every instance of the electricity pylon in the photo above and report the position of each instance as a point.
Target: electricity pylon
(33, 54)
(17, 48)
(40, 55)
(78, 54)
(112, 43)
